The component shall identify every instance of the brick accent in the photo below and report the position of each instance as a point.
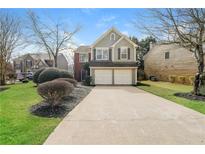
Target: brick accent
(77, 67)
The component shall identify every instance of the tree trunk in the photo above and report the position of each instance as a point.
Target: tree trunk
(200, 64)
(55, 61)
(2, 74)
(2, 80)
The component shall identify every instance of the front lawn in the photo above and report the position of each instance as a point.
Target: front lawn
(167, 91)
(17, 124)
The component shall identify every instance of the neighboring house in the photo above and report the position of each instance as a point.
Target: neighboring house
(65, 62)
(112, 59)
(168, 61)
(33, 61)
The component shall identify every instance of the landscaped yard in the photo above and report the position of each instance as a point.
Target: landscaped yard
(17, 124)
(167, 91)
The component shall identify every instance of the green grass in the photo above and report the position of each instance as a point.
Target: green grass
(167, 91)
(17, 124)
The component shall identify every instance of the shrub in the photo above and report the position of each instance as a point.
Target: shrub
(65, 74)
(87, 80)
(72, 81)
(36, 75)
(172, 78)
(202, 85)
(153, 78)
(48, 74)
(54, 91)
(86, 67)
(140, 74)
(25, 80)
(182, 79)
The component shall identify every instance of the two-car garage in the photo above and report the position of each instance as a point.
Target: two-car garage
(114, 76)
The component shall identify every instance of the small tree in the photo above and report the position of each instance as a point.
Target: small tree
(10, 36)
(144, 46)
(53, 38)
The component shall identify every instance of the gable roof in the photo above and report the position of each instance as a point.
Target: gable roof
(104, 34)
(117, 32)
(126, 38)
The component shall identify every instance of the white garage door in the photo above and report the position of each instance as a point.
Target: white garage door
(123, 77)
(103, 76)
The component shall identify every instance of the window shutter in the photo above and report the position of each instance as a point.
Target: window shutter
(128, 50)
(94, 54)
(119, 53)
(110, 54)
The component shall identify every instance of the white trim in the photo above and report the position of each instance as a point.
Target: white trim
(121, 48)
(113, 35)
(124, 37)
(136, 76)
(135, 54)
(101, 48)
(80, 54)
(113, 53)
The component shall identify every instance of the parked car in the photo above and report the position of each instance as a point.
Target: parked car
(23, 75)
(29, 75)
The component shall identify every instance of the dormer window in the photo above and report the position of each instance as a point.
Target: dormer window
(112, 37)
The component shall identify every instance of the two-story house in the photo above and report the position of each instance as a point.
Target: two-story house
(112, 59)
(33, 61)
(168, 61)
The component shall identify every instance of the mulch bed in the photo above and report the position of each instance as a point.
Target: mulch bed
(68, 104)
(190, 96)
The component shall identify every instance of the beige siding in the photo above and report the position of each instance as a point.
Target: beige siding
(180, 63)
(124, 43)
(106, 42)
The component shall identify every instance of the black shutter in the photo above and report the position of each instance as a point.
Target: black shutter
(119, 53)
(110, 54)
(128, 50)
(94, 54)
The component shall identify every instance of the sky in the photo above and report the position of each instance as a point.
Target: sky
(93, 22)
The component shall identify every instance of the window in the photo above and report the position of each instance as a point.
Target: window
(83, 57)
(112, 36)
(166, 55)
(102, 54)
(123, 53)
(28, 63)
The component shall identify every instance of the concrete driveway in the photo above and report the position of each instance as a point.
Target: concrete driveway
(127, 115)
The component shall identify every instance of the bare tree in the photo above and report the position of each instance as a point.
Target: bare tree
(52, 38)
(10, 39)
(185, 27)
